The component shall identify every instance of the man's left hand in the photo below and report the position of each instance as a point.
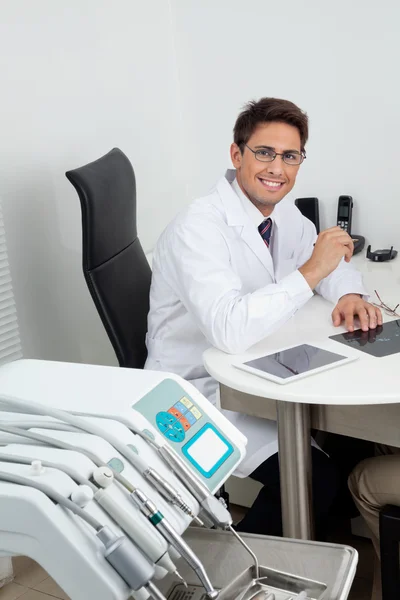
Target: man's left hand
(352, 305)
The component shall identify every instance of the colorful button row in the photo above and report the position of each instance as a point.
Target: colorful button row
(178, 419)
(185, 412)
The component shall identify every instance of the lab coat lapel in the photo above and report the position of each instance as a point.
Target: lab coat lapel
(255, 242)
(239, 219)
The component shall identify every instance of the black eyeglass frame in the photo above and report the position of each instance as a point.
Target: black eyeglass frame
(302, 156)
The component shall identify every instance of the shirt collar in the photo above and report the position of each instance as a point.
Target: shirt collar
(252, 211)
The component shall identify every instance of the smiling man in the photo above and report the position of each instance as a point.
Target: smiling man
(234, 267)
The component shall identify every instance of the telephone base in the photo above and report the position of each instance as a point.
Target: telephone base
(359, 244)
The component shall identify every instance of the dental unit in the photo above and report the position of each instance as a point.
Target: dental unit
(103, 469)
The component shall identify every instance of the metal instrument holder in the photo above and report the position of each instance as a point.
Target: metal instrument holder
(324, 571)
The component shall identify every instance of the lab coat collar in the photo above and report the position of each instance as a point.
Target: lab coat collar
(235, 214)
(238, 218)
(255, 215)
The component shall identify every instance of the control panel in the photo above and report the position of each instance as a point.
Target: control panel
(190, 430)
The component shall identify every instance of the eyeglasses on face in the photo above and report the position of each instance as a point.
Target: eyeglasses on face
(292, 158)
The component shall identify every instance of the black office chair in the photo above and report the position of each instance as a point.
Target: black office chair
(114, 265)
(389, 533)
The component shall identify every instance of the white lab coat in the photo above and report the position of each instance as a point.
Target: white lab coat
(215, 284)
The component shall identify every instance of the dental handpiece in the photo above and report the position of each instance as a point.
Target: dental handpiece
(212, 507)
(169, 493)
(213, 511)
(149, 509)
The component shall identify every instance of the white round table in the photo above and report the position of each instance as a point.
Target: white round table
(368, 380)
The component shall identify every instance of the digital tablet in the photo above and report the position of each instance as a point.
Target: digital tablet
(291, 364)
(381, 341)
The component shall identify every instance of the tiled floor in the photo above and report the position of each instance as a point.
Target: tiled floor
(31, 582)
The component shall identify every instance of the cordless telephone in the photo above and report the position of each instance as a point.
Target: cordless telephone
(345, 208)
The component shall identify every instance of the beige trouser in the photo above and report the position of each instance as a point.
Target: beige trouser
(374, 483)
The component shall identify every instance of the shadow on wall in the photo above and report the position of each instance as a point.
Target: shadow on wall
(58, 320)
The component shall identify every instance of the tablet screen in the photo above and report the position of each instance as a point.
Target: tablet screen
(382, 341)
(294, 361)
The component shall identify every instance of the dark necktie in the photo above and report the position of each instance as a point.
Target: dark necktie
(265, 230)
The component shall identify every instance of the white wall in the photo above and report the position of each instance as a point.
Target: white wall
(338, 60)
(78, 78)
(164, 80)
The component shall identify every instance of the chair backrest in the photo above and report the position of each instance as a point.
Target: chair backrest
(114, 265)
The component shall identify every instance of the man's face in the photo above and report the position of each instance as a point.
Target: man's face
(266, 183)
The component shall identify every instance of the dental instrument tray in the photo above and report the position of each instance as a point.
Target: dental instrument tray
(318, 571)
(270, 585)
(277, 584)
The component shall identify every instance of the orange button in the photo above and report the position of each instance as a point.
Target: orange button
(185, 423)
(176, 413)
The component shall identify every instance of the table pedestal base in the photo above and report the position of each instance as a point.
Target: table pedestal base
(294, 441)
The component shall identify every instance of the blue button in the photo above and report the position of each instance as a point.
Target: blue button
(172, 435)
(164, 421)
(191, 418)
(181, 407)
(170, 427)
(176, 434)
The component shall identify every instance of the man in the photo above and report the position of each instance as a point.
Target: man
(374, 483)
(234, 267)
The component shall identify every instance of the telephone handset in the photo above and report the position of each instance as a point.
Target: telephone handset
(344, 215)
(345, 209)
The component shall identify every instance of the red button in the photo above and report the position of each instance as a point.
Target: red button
(185, 423)
(175, 412)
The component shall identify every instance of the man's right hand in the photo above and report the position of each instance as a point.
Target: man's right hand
(331, 246)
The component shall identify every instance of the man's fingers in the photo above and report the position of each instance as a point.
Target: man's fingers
(335, 233)
(331, 229)
(348, 252)
(363, 316)
(372, 316)
(349, 319)
(336, 317)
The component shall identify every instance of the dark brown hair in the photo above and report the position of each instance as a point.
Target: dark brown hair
(268, 110)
